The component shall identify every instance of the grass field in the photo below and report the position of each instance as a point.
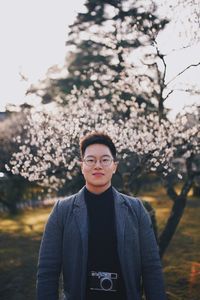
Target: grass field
(21, 235)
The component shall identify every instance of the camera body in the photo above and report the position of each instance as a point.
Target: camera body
(103, 281)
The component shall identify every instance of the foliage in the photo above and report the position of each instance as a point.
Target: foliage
(111, 42)
(12, 186)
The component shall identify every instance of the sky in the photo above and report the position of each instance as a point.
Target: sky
(33, 35)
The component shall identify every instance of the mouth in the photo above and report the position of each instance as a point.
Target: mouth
(98, 174)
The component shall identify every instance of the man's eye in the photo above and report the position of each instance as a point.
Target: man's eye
(105, 159)
(90, 160)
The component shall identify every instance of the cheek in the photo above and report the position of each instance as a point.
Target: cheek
(110, 172)
(85, 171)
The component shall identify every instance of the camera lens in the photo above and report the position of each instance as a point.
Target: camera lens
(106, 284)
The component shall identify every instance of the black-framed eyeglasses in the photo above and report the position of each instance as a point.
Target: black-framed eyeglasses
(105, 161)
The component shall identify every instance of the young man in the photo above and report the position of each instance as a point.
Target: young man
(102, 241)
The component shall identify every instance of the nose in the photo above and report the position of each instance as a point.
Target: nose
(98, 164)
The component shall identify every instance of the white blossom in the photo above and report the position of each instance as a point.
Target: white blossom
(52, 137)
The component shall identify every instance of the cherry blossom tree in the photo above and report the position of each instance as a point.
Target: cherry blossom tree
(49, 153)
(186, 140)
(52, 136)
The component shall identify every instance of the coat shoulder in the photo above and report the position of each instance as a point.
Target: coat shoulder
(67, 202)
(63, 209)
(66, 205)
(133, 203)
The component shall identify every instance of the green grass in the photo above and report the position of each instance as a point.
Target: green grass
(21, 235)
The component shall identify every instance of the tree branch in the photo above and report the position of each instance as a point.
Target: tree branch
(188, 67)
(168, 95)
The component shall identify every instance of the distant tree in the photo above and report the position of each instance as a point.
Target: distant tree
(116, 41)
(12, 186)
(101, 45)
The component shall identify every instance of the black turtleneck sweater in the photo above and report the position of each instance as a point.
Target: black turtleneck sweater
(102, 247)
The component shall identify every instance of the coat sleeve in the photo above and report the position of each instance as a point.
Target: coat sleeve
(50, 258)
(152, 275)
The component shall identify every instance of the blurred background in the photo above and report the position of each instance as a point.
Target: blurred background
(67, 69)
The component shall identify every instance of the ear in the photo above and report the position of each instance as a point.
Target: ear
(80, 164)
(115, 166)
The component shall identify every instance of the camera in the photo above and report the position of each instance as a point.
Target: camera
(103, 281)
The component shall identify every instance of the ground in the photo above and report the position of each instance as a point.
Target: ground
(21, 235)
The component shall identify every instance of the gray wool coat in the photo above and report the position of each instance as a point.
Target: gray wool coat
(64, 249)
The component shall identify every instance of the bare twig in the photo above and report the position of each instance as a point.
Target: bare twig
(188, 67)
(168, 95)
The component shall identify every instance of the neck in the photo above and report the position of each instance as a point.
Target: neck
(97, 189)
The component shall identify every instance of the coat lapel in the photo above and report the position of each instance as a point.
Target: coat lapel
(81, 216)
(121, 211)
(80, 211)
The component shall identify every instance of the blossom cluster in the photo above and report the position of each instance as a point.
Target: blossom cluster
(49, 153)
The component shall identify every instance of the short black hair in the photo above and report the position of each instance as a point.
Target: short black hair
(97, 138)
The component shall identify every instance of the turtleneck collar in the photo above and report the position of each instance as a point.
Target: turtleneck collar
(105, 194)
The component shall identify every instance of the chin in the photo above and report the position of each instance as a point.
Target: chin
(98, 183)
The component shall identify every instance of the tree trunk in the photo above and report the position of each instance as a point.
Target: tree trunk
(196, 191)
(177, 208)
(11, 192)
(10, 206)
(172, 223)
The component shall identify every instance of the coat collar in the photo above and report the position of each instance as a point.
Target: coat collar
(79, 200)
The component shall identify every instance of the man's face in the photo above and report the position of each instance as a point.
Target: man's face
(98, 168)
